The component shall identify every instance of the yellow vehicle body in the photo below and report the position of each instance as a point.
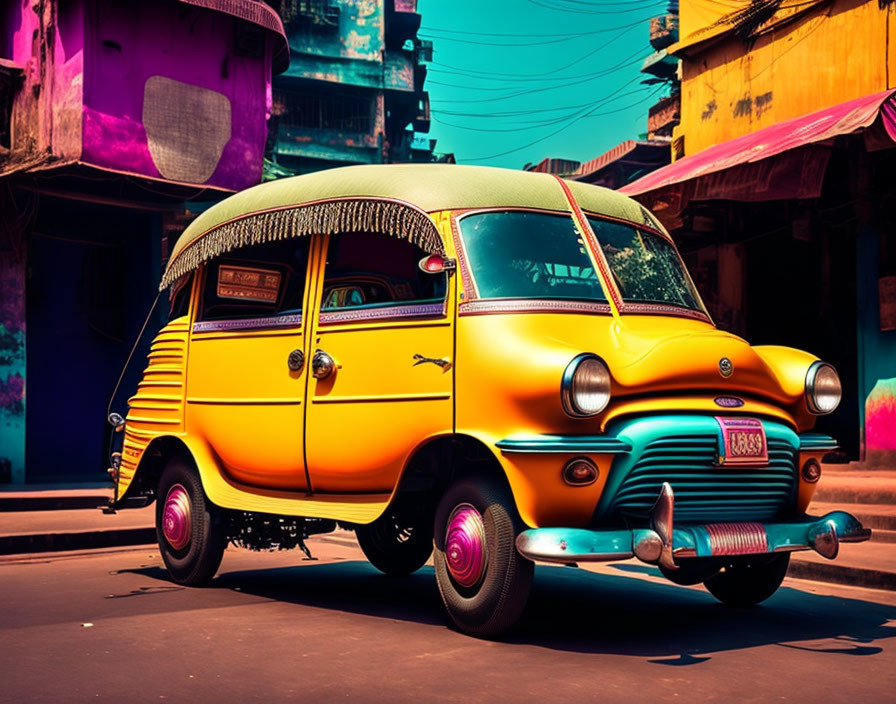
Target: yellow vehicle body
(487, 366)
(251, 424)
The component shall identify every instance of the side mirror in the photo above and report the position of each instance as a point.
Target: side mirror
(436, 264)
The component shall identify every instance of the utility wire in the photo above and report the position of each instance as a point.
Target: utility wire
(562, 37)
(628, 61)
(541, 123)
(545, 73)
(574, 11)
(561, 129)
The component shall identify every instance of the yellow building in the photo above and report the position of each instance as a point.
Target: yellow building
(748, 65)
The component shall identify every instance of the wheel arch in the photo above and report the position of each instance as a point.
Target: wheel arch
(152, 461)
(437, 463)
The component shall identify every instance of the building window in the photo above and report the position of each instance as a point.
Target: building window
(11, 76)
(343, 112)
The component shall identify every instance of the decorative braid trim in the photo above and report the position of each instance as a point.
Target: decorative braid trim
(327, 218)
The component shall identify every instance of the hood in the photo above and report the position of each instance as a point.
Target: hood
(648, 355)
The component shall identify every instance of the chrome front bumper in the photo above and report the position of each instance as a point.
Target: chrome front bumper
(664, 544)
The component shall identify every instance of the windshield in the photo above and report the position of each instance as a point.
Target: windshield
(528, 255)
(645, 266)
(517, 254)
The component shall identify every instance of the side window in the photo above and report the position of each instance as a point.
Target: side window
(372, 272)
(180, 296)
(256, 282)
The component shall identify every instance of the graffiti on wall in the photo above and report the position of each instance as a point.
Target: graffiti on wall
(12, 370)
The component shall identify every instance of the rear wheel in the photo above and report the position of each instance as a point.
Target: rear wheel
(400, 541)
(748, 581)
(483, 580)
(189, 528)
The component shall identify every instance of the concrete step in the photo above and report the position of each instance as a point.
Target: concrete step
(874, 516)
(38, 498)
(870, 564)
(856, 487)
(84, 529)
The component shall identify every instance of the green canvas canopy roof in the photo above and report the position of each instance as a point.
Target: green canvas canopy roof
(393, 199)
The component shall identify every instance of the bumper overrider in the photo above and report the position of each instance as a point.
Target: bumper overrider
(664, 544)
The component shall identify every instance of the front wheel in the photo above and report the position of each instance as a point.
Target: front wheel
(189, 528)
(749, 581)
(483, 580)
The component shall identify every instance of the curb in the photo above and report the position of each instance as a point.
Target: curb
(841, 574)
(855, 495)
(51, 503)
(82, 540)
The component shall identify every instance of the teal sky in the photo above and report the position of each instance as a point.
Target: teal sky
(561, 76)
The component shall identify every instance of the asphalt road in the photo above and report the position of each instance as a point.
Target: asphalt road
(108, 626)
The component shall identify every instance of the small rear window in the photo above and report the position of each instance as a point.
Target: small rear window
(256, 282)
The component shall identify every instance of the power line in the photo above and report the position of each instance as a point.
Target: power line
(561, 129)
(623, 64)
(562, 37)
(543, 123)
(574, 11)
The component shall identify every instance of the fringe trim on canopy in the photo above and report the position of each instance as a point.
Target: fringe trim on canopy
(329, 218)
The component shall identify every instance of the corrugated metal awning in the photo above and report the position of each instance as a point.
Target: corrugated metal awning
(743, 168)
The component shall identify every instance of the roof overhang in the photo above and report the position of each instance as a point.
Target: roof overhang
(257, 13)
(743, 22)
(644, 152)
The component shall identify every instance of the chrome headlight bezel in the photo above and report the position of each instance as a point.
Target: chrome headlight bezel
(811, 388)
(568, 392)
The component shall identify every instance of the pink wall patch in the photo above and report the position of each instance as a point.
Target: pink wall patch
(880, 416)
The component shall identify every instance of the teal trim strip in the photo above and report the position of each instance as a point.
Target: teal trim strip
(586, 444)
(817, 441)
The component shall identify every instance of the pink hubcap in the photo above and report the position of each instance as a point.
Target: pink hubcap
(465, 545)
(176, 523)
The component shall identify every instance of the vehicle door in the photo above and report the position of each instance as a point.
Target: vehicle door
(386, 326)
(246, 369)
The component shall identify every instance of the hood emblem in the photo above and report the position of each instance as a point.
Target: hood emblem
(726, 369)
(728, 401)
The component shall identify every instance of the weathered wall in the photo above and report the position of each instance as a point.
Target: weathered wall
(358, 36)
(68, 79)
(877, 357)
(131, 122)
(12, 367)
(732, 87)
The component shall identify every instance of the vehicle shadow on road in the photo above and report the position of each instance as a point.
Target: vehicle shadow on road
(579, 611)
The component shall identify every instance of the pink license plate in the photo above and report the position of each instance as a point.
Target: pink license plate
(743, 442)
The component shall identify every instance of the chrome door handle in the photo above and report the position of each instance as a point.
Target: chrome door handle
(296, 360)
(420, 359)
(322, 365)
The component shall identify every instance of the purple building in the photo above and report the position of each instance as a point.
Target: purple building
(114, 116)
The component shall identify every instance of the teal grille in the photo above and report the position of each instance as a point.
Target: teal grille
(704, 492)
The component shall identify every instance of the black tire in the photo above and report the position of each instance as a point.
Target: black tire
(495, 602)
(749, 581)
(400, 541)
(692, 572)
(195, 563)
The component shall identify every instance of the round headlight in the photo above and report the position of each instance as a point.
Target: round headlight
(823, 390)
(585, 390)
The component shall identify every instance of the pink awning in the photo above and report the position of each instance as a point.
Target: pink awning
(742, 168)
